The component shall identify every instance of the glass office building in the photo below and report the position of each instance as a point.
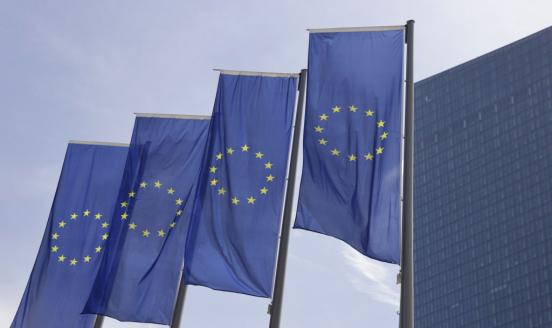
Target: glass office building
(483, 191)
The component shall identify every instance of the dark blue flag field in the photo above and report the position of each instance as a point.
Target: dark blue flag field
(74, 239)
(140, 272)
(350, 187)
(234, 232)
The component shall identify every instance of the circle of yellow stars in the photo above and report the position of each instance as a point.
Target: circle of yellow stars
(252, 197)
(59, 229)
(353, 157)
(156, 186)
(60, 226)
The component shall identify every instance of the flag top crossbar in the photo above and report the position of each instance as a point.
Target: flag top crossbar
(357, 29)
(98, 143)
(177, 116)
(252, 73)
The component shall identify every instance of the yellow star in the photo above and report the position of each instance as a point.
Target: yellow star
(219, 156)
(86, 213)
(213, 182)
(55, 236)
(352, 158)
(379, 150)
(87, 259)
(74, 216)
(170, 191)
(381, 124)
(73, 261)
(264, 191)
(131, 194)
(323, 141)
(55, 248)
(98, 249)
(145, 233)
(369, 157)
(335, 152)
(98, 216)
(124, 216)
(270, 178)
(268, 165)
(245, 147)
(213, 169)
(352, 108)
(61, 224)
(172, 224)
(336, 109)
(369, 113)
(179, 212)
(318, 129)
(61, 258)
(324, 117)
(124, 204)
(230, 150)
(221, 191)
(259, 155)
(384, 135)
(251, 200)
(235, 200)
(104, 236)
(143, 184)
(132, 226)
(160, 233)
(157, 184)
(179, 201)
(105, 225)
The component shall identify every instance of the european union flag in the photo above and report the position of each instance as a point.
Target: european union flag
(70, 252)
(142, 265)
(350, 187)
(234, 234)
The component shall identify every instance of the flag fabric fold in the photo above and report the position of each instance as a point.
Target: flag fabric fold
(350, 187)
(234, 232)
(141, 268)
(71, 248)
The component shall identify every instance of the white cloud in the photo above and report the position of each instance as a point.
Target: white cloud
(372, 277)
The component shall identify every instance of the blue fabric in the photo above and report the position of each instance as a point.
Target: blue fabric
(67, 261)
(350, 187)
(235, 226)
(140, 272)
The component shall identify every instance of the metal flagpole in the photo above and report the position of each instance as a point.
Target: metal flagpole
(275, 308)
(179, 306)
(406, 317)
(99, 321)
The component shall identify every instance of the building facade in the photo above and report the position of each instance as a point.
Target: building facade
(483, 191)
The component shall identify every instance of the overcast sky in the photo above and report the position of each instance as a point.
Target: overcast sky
(78, 70)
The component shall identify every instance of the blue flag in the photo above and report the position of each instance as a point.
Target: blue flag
(350, 187)
(142, 265)
(235, 226)
(70, 252)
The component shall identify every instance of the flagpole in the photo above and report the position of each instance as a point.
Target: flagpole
(275, 308)
(179, 306)
(99, 321)
(406, 317)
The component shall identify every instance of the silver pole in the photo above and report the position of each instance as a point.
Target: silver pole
(99, 321)
(275, 308)
(406, 317)
(179, 306)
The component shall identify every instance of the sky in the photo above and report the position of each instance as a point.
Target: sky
(79, 70)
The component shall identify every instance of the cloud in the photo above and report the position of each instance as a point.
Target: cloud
(372, 278)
